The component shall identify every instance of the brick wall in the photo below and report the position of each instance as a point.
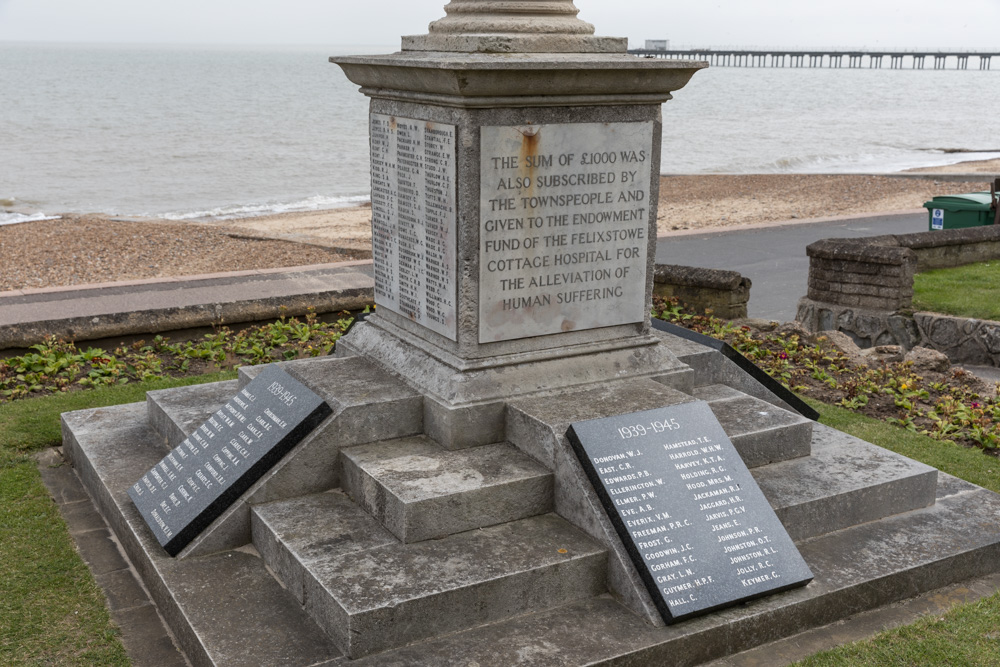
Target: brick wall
(861, 274)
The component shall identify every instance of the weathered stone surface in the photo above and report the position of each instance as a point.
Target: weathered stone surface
(176, 413)
(215, 606)
(420, 491)
(414, 232)
(872, 564)
(829, 490)
(498, 26)
(539, 274)
(876, 356)
(712, 367)
(726, 293)
(926, 360)
(537, 425)
(762, 433)
(295, 535)
(454, 583)
(963, 340)
(876, 562)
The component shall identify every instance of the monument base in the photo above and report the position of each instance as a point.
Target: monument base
(464, 399)
(371, 543)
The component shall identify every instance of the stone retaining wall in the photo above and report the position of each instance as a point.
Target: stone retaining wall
(864, 288)
(864, 275)
(726, 293)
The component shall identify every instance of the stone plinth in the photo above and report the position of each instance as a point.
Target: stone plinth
(512, 26)
(514, 208)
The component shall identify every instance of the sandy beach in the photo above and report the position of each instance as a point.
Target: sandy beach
(84, 249)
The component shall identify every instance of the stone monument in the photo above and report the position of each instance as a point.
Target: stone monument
(440, 515)
(515, 174)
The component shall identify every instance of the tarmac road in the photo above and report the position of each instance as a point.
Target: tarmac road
(774, 257)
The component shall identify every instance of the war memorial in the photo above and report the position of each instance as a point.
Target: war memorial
(507, 463)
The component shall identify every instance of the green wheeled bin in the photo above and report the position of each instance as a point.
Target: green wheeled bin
(956, 211)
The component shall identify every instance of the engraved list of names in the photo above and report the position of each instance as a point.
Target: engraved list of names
(413, 220)
(564, 227)
(698, 528)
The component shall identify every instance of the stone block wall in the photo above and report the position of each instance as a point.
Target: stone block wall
(864, 288)
(861, 275)
(726, 293)
(953, 247)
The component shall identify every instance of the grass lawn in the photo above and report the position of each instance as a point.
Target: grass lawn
(52, 612)
(969, 634)
(966, 291)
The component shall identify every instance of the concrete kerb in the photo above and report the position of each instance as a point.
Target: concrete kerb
(174, 304)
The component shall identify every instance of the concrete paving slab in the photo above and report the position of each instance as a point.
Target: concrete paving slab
(146, 638)
(122, 590)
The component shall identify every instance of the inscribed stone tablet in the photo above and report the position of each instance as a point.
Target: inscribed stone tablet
(413, 220)
(698, 528)
(564, 227)
(195, 483)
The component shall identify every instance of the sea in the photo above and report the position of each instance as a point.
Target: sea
(203, 132)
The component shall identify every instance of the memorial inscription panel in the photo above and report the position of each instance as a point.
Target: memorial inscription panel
(564, 227)
(195, 483)
(413, 220)
(698, 528)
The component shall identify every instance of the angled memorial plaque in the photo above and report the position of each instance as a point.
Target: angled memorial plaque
(698, 528)
(195, 483)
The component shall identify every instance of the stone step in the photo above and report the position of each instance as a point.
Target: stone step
(368, 404)
(384, 597)
(761, 432)
(491, 579)
(711, 366)
(421, 491)
(844, 482)
(856, 569)
(298, 535)
(216, 606)
(178, 412)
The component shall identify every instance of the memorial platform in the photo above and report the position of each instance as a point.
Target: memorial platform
(327, 557)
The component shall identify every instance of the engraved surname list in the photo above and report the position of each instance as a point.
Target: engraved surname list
(564, 227)
(414, 221)
(698, 528)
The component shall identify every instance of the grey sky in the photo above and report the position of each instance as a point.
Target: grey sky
(925, 24)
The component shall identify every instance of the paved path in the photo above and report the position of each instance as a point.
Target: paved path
(773, 257)
(90, 312)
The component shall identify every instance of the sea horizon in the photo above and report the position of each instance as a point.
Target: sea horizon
(193, 131)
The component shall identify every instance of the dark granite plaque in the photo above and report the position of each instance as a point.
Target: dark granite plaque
(195, 483)
(698, 528)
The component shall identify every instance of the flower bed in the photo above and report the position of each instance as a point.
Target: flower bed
(58, 366)
(952, 405)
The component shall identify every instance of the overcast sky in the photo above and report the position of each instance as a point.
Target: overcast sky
(924, 24)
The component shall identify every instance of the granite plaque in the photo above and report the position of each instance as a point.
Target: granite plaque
(698, 528)
(193, 484)
(413, 220)
(564, 227)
